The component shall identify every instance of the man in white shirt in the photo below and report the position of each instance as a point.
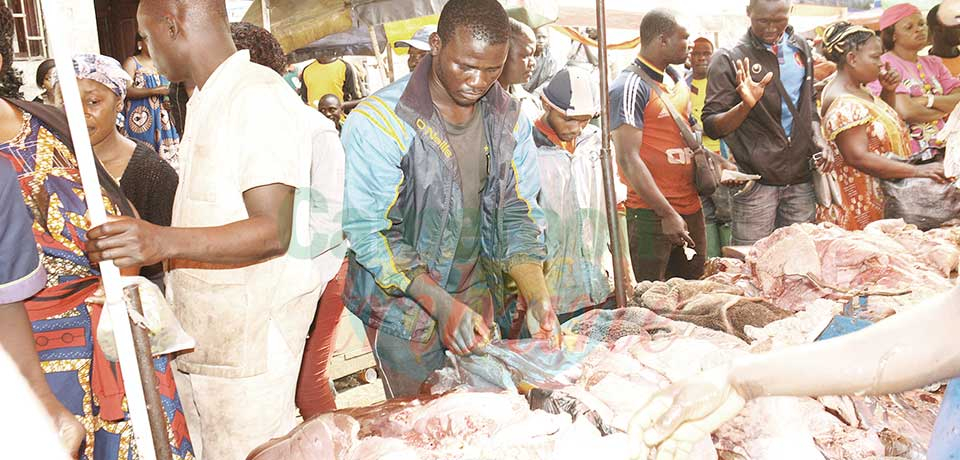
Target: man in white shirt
(244, 272)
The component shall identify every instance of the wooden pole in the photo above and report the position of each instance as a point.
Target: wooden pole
(265, 10)
(141, 342)
(375, 44)
(391, 71)
(606, 162)
(109, 273)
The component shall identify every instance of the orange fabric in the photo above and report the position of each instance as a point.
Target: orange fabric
(665, 154)
(552, 135)
(314, 395)
(953, 65)
(863, 201)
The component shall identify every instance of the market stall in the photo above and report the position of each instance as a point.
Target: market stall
(522, 400)
(804, 283)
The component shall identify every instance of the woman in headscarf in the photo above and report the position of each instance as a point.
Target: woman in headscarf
(928, 91)
(863, 128)
(146, 180)
(35, 144)
(147, 119)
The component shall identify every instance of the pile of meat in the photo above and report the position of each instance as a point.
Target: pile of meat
(893, 263)
(459, 425)
(786, 292)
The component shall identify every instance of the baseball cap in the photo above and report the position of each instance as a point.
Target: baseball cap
(420, 40)
(574, 92)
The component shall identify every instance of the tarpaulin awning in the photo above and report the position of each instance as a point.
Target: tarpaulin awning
(354, 42)
(298, 23)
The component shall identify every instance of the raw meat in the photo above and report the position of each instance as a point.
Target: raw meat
(843, 263)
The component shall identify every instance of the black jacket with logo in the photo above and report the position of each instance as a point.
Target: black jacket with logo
(760, 145)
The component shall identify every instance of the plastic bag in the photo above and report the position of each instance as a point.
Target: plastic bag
(166, 333)
(560, 402)
(510, 365)
(920, 201)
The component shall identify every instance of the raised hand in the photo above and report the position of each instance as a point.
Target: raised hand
(889, 78)
(750, 91)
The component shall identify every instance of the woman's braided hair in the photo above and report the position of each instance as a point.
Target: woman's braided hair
(7, 29)
(842, 38)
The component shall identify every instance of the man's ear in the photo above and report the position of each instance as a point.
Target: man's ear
(435, 44)
(171, 26)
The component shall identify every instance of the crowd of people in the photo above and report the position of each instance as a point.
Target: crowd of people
(458, 205)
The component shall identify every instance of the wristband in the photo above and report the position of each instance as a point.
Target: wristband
(930, 101)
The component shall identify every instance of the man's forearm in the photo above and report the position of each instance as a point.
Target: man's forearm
(907, 351)
(249, 241)
(725, 123)
(531, 282)
(429, 295)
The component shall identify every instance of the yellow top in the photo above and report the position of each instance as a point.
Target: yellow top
(698, 97)
(322, 79)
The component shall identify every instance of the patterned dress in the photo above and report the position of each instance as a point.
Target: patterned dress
(64, 325)
(887, 136)
(147, 120)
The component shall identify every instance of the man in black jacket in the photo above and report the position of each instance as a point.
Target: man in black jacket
(760, 100)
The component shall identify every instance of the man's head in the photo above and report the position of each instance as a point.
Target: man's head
(520, 62)
(331, 108)
(543, 40)
(570, 100)
(700, 57)
(418, 46)
(173, 30)
(662, 38)
(769, 19)
(264, 48)
(945, 37)
(949, 13)
(469, 48)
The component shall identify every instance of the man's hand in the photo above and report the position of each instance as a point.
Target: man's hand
(542, 322)
(462, 330)
(750, 91)
(889, 78)
(676, 418)
(675, 229)
(69, 429)
(128, 242)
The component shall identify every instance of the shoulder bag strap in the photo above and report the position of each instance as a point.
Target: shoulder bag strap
(689, 137)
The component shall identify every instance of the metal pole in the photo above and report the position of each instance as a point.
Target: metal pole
(151, 393)
(60, 46)
(265, 10)
(613, 224)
